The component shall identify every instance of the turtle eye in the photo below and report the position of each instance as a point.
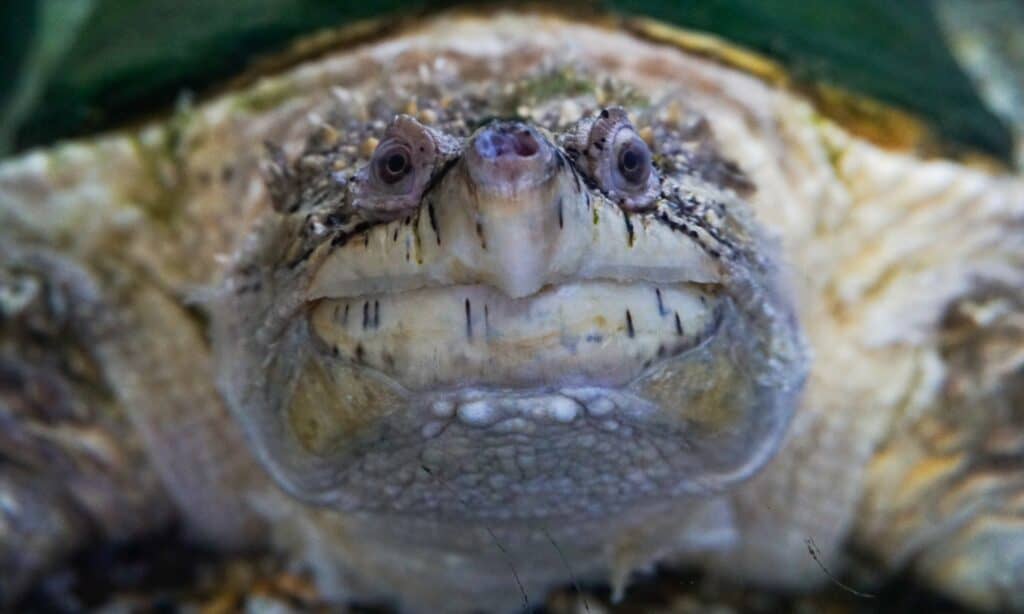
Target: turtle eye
(401, 167)
(634, 161)
(609, 150)
(392, 162)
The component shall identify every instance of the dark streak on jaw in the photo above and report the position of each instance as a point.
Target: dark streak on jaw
(561, 222)
(439, 175)
(629, 228)
(433, 220)
(366, 314)
(376, 314)
(480, 235)
(679, 325)
(344, 317)
(344, 237)
(629, 325)
(487, 322)
(360, 352)
(661, 305)
(469, 320)
(302, 257)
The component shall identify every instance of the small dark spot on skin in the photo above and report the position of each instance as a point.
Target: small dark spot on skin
(629, 325)
(335, 352)
(487, 321)
(661, 351)
(661, 305)
(714, 254)
(344, 316)
(679, 326)
(598, 146)
(629, 228)
(561, 222)
(389, 359)
(647, 363)
(594, 338)
(366, 314)
(394, 236)
(366, 240)
(360, 352)
(203, 177)
(469, 320)
(226, 173)
(376, 314)
(433, 220)
(604, 113)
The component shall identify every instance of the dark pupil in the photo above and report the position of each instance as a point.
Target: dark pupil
(630, 160)
(396, 163)
(633, 163)
(393, 166)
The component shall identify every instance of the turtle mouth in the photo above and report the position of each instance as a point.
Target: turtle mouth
(583, 333)
(583, 398)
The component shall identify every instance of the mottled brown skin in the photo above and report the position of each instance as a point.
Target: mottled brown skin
(907, 277)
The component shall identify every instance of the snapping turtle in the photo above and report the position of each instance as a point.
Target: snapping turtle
(500, 302)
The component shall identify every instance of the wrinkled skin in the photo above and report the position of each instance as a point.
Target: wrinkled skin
(493, 325)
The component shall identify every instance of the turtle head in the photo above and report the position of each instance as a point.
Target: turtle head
(514, 321)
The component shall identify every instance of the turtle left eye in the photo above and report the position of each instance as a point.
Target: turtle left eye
(610, 151)
(634, 161)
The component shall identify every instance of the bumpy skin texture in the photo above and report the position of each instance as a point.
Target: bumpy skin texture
(906, 280)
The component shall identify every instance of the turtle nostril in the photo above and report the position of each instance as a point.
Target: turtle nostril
(525, 144)
(496, 143)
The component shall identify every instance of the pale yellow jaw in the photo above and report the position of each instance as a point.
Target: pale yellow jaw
(586, 333)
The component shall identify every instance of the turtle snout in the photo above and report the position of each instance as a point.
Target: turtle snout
(506, 141)
(508, 157)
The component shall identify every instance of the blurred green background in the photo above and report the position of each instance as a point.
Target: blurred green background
(72, 67)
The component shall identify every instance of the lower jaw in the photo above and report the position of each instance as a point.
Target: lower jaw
(495, 456)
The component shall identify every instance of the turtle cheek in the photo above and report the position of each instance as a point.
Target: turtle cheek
(713, 396)
(322, 417)
(331, 406)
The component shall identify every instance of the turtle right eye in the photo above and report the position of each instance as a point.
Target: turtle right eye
(392, 162)
(613, 155)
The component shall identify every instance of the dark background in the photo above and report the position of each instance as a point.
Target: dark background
(72, 67)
